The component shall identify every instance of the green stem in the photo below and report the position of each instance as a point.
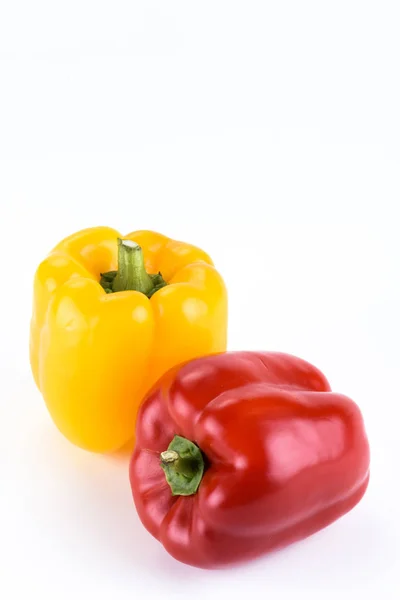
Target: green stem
(183, 465)
(131, 274)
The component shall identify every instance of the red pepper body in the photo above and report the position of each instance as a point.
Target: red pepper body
(285, 456)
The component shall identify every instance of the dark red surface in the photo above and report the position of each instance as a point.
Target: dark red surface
(286, 456)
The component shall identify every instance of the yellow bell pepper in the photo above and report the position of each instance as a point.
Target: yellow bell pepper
(110, 316)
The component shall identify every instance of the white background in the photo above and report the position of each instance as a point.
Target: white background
(269, 134)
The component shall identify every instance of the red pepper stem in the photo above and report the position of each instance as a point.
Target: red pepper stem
(183, 465)
(132, 274)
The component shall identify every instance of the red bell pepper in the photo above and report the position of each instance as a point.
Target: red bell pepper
(241, 453)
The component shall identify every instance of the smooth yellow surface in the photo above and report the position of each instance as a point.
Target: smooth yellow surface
(94, 355)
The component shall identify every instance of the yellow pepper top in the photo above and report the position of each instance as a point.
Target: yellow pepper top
(95, 354)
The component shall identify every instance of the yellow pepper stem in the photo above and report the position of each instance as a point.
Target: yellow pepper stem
(132, 274)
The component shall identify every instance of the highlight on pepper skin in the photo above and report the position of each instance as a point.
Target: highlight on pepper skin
(242, 453)
(111, 314)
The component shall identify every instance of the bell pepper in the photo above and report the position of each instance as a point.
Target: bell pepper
(241, 453)
(110, 316)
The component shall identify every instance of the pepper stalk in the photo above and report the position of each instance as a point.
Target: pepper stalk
(131, 273)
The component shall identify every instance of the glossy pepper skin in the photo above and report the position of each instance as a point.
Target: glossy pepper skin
(283, 456)
(95, 354)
